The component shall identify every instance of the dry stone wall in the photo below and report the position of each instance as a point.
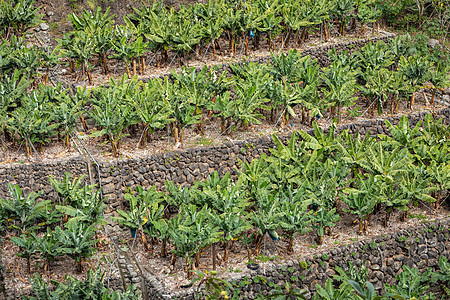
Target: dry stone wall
(182, 167)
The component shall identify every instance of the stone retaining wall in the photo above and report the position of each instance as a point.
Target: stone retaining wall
(182, 167)
(384, 256)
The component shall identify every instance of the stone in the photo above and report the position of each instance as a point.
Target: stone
(433, 43)
(44, 26)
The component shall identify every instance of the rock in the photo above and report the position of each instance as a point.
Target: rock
(433, 43)
(44, 26)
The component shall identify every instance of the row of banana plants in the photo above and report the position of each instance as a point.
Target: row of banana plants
(290, 86)
(301, 187)
(156, 29)
(45, 231)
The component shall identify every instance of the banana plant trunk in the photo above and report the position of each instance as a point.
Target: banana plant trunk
(363, 29)
(341, 27)
(79, 265)
(246, 44)
(213, 254)
(144, 241)
(412, 100)
(28, 147)
(164, 248)
(226, 252)
(143, 65)
(173, 259)
(128, 70)
(290, 248)
(432, 97)
(29, 265)
(88, 72)
(188, 268)
(320, 239)
(105, 63)
(325, 31)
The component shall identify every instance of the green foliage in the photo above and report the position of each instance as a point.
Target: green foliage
(24, 210)
(17, 17)
(77, 241)
(91, 288)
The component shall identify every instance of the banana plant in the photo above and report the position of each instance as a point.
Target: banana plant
(378, 88)
(18, 17)
(12, 90)
(233, 23)
(440, 174)
(416, 186)
(443, 274)
(67, 188)
(66, 115)
(286, 67)
(249, 100)
(387, 165)
(342, 11)
(367, 14)
(32, 123)
(191, 231)
(294, 219)
(410, 284)
(404, 134)
(27, 248)
(330, 292)
(111, 114)
(230, 202)
(373, 57)
(80, 46)
(252, 21)
(77, 241)
(183, 113)
(294, 19)
(135, 218)
(353, 272)
(87, 206)
(326, 143)
(323, 219)
(153, 112)
(24, 210)
(48, 246)
(232, 223)
(187, 33)
(98, 25)
(361, 201)
(194, 89)
(254, 173)
(365, 291)
(353, 150)
(267, 218)
(226, 111)
(340, 87)
(416, 69)
(439, 79)
(127, 48)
